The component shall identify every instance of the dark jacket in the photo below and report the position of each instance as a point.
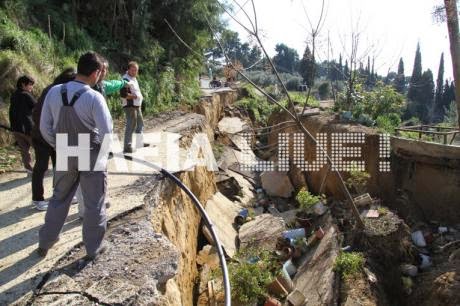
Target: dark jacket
(36, 113)
(21, 105)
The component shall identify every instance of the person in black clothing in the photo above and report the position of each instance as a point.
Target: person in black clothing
(43, 151)
(22, 103)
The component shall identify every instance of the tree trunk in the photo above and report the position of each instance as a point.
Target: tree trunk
(454, 38)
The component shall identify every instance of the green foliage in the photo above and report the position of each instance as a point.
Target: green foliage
(349, 264)
(400, 79)
(358, 180)
(307, 67)
(451, 117)
(300, 98)
(250, 273)
(382, 210)
(382, 103)
(168, 70)
(306, 200)
(286, 59)
(257, 106)
(324, 90)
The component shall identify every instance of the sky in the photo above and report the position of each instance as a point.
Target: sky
(388, 30)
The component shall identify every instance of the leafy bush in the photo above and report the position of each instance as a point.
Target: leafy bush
(250, 273)
(257, 106)
(382, 101)
(301, 97)
(451, 116)
(293, 83)
(348, 264)
(324, 90)
(306, 200)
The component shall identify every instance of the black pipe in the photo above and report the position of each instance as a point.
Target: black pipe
(204, 215)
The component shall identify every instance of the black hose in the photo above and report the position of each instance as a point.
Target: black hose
(204, 215)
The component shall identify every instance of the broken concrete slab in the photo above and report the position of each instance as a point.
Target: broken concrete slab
(277, 184)
(234, 158)
(231, 125)
(115, 278)
(222, 212)
(261, 232)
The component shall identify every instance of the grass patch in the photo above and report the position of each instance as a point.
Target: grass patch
(349, 264)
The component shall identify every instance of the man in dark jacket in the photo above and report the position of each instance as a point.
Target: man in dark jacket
(22, 103)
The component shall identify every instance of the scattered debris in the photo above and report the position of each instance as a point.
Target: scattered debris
(261, 232)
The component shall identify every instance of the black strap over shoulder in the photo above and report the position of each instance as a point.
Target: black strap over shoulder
(75, 97)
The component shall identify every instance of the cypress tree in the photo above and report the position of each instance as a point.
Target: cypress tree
(340, 72)
(346, 70)
(438, 109)
(307, 67)
(424, 102)
(416, 77)
(449, 94)
(400, 80)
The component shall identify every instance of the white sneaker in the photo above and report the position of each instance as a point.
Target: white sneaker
(74, 200)
(40, 205)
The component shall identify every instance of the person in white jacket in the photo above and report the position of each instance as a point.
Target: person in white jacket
(132, 102)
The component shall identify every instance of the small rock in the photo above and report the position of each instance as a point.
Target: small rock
(277, 184)
(370, 275)
(409, 270)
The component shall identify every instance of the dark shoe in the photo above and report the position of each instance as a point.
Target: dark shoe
(42, 252)
(128, 150)
(146, 145)
(107, 204)
(101, 250)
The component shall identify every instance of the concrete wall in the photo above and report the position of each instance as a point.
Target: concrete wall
(429, 174)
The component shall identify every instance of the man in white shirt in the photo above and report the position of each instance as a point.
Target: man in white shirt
(74, 109)
(132, 102)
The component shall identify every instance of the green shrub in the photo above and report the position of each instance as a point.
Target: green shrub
(367, 106)
(306, 200)
(250, 273)
(257, 106)
(348, 264)
(324, 90)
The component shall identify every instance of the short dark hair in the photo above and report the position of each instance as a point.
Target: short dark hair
(88, 63)
(24, 80)
(65, 76)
